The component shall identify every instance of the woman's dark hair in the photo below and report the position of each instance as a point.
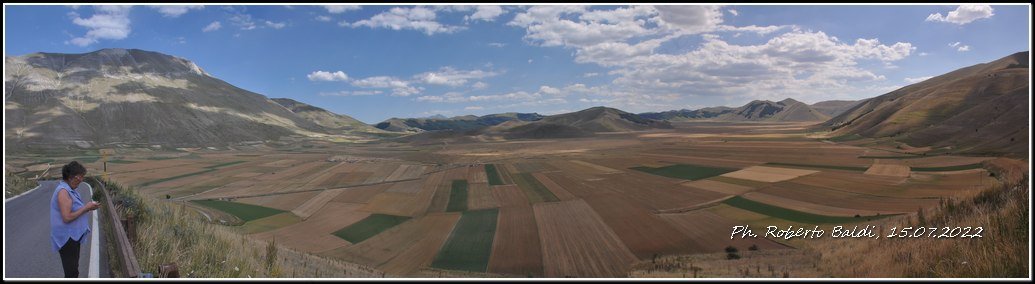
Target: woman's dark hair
(72, 169)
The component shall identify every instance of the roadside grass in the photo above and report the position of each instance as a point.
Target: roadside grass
(536, 192)
(245, 212)
(470, 244)
(1001, 210)
(369, 227)
(794, 215)
(493, 175)
(684, 171)
(15, 184)
(458, 196)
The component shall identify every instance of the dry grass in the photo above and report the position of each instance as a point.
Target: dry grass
(168, 232)
(1001, 253)
(15, 185)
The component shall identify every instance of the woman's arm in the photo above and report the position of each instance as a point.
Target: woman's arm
(65, 205)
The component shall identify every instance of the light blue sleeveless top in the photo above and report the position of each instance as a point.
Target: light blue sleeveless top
(60, 231)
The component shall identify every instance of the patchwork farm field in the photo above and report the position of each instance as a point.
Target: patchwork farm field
(578, 207)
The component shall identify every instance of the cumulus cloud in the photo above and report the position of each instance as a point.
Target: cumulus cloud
(734, 12)
(351, 93)
(452, 77)
(107, 22)
(399, 87)
(480, 85)
(963, 14)
(691, 18)
(173, 11)
(328, 76)
(243, 21)
(214, 26)
(473, 108)
(485, 13)
(323, 18)
(276, 25)
(398, 18)
(338, 9)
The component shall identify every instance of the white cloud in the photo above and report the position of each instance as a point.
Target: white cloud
(734, 12)
(214, 26)
(108, 22)
(963, 14)
(173, 11)
(452, 77)
(338, 9)
(328, 76)
(497, 44)
(351, 93)
(243, 21)
(752, 28)
(552, 26)
(923, 54)
(960, 47)
(274, 25)
(480, 85)
(399, 87)
(474, 108)
(917, 80)
(398, 18)
(485, 13)
(323, 18)
(590, 74)
(691, 18)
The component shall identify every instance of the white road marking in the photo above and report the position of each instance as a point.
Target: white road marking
(95, 270)
(22, 194)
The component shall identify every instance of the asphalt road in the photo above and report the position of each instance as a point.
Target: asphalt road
(27, 248)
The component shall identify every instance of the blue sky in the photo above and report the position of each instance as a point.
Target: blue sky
(376, 62)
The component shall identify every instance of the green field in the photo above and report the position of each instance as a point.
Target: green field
(844, 168)
(175, 177)
(949, 168)
(85, 160)
(270, 223)
(535, 191)
(470, 243)
(121, 161)
(494, 176)
(207, 169)
(892, 157)
(683, 171)
(737, 181)
(458, 196)
(792, 215)
(245, 212)
(843, 138)
(369, 227)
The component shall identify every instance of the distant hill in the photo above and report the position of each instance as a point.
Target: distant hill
(685, 114)
(584, 123)
(458, 123)
(788, 110)
(834, 108)
(325, 118)
(134, 97)
(783, 111)
(981, 109)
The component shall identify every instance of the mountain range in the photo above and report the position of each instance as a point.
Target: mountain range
(131, 97)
